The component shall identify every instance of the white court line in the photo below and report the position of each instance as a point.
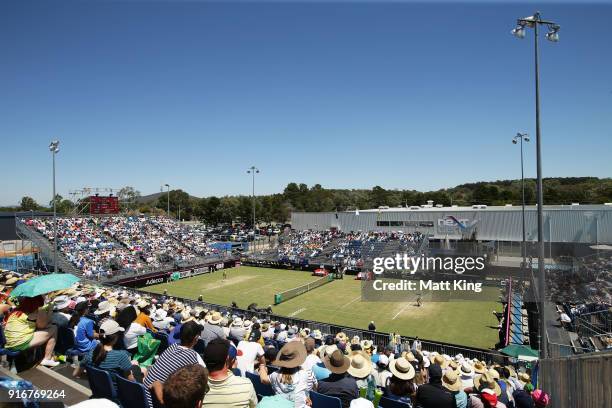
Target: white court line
(352, 301)
(401, 310)
(297, 312)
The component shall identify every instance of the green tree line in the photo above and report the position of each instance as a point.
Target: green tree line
(300, 197)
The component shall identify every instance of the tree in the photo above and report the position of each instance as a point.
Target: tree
(28, 203)
(128, 196)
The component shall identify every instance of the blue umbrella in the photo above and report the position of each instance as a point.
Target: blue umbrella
(44, 284)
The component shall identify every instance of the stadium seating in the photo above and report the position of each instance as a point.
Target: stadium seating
(101, 383)
(324, 401)
(131, 394)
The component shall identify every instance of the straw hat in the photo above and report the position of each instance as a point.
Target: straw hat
(61, 302)
(524, 378)
(142, 304)
(247, 324)
(409, 356)
(214, 318)
(486, 380)
(104, 307)
(479, 367)
(494, 374)
(337, 362)
(466, 371)
(186, 316)
(341, 337)
(361, 365)
(317, 335)
(11, 281)
(291, 355)
(402, 369)
(237, 322)
(439, 360)
(355, 340)
(451, 381)
(366, 344)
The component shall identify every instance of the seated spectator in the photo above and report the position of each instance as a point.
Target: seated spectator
(84, 335)
(105, 357)
(452, 382)
(400, 386)
(61, 311)
(291, 381)
(540, 398)
(29, 326)
(361, 371)
(212, 329)
(186, 387)
(144, 318)
(161, 320)
(339, 383)
(173, 358)
(381, 372)
(249, 353)
(312, 358)
(226, 389)
(433, 394)
(488, 392)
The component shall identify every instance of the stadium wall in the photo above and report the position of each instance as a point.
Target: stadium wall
(571, 224)
(174, 274)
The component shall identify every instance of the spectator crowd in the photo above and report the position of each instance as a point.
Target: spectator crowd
(186, 355)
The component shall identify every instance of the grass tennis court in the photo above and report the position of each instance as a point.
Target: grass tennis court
(468, 323)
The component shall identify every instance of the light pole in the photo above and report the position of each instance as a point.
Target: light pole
(553, 35)
(522, 137)
(252, 170)
(54, 149)
(168, 186)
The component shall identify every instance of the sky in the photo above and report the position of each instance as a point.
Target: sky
(346, 94)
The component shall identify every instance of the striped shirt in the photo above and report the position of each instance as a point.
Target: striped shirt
(232, 391)
(175, 357)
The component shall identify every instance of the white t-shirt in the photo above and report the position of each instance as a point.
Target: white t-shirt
(250, 352)
(130, 337)
(311, 361)
(304, 381)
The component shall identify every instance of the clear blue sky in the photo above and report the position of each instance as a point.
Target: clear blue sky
(347, 94)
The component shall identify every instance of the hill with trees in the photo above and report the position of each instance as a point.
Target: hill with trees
(300, 197)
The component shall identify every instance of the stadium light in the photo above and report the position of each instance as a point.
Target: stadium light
(534, 22)
(253, 170)
(523, 137)
(54, 149)
(168, 212)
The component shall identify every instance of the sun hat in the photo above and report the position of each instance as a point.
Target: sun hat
(337, 362)
(110, 327)
(309, 343)
(439, 360)
(494, 373)
(291, 355)
(247, 324)
(466, 371)
(479, 367)
(402, 369)
(142, 304)
(291, 333)
(361, 403)
(489, 395)
(186, 316)
(409, 356)
(159, 315)
(486, 380)
(325, 351)
(214, 318)
(305, 332)
(104, 307)
(237, 322)
(265, 326)
(316, 334)
(512, 370)
(61, 302)
(11, 281)
(341, 337)
(451, 381)
(355, 340)
(366, 344)
(540, 398)
(524, 378)
(361, 365)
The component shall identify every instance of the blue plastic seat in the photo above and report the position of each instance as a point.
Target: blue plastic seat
(261, 389)
(131, 394)
(324, 401)
(101, 383)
